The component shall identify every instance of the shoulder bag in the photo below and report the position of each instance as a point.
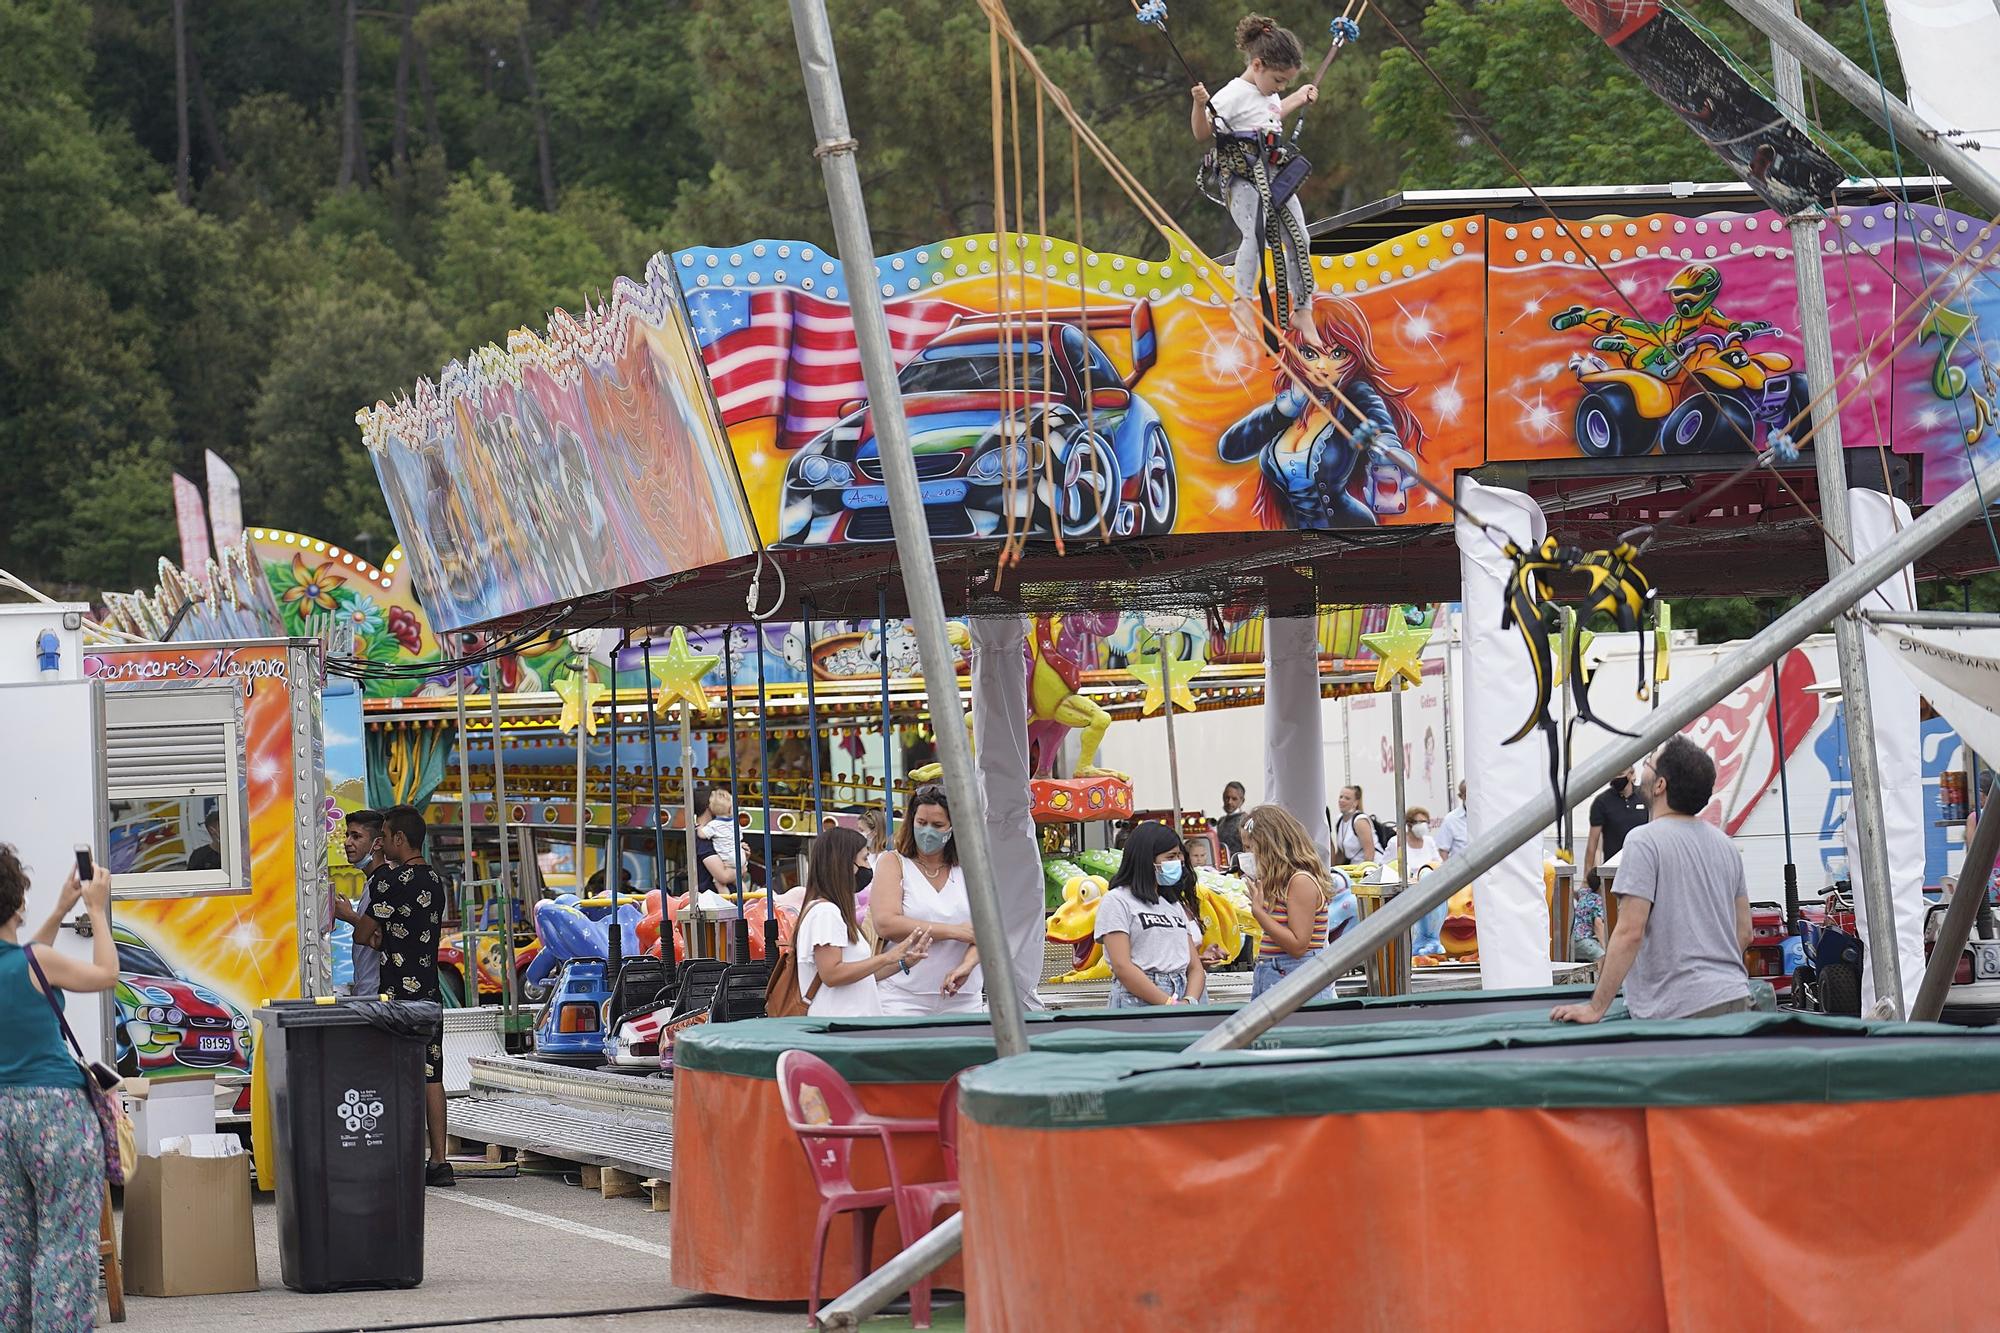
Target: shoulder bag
(100, 1081)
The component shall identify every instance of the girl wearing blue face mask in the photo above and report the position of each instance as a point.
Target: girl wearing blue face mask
(920, 887)
(1149, 923)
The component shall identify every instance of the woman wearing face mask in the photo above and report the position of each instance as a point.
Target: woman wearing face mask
(1422, 854)
(919, 886)
(1292, 897)
(1149, 923)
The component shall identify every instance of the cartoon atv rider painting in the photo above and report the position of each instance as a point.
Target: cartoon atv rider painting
(1686, 384)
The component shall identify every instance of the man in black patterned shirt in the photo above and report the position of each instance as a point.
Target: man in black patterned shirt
(409, 905)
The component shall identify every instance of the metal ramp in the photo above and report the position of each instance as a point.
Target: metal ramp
(579, 1115)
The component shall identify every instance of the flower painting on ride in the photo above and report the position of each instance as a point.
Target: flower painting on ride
(1623, 337)
(1057, 393)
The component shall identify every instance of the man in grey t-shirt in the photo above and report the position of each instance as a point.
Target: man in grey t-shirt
(1683, 906)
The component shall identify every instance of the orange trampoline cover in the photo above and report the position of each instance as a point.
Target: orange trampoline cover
(1756, 1172)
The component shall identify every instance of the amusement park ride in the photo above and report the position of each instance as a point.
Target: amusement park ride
(776, 472)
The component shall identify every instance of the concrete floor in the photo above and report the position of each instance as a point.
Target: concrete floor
(529, 1252)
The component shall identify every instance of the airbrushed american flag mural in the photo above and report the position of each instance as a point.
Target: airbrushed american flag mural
(1055, 392)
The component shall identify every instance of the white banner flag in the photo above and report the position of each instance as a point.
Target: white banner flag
(225, 503)
(1958, 671)
(1948, 50)
(193, 522)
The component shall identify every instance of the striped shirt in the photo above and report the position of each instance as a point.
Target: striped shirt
(1270, 948)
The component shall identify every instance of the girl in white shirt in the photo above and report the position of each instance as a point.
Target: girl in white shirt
(1249, 105)
(1150, 923)
(837, 968)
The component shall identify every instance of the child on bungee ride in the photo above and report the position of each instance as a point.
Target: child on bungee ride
(1246, 110)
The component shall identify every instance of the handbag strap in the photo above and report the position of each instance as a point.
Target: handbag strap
(49, 994)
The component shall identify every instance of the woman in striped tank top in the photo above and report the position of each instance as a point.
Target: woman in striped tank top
(1297, 902)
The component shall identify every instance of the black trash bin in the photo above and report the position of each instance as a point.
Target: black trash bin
(346, 1082)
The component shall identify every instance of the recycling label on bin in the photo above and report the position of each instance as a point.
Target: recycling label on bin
(360, 1117)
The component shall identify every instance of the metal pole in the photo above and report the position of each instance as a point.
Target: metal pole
(1934, 619)
(1527, 821)
(1790, 33)
(739, 935)
(468, 946)
(1402, 815)
(501, 823)
(1971, 755)
(764, 781)
(888, 724)
(836, 149)
(1785, 801)
(1830, 459)
(582, 764)
(1966, 900)
(812, 721)
(614, 867)
(1173, 750)
(687, 813)
(667, 922)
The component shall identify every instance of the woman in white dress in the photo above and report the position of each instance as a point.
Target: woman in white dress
(838, 969)
(920, 887)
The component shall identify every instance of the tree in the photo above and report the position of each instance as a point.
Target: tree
(181, 190)
(121, 520)
(76, 386)
(501, 265)
(1566, 110)
(337, 350)
(353, 156)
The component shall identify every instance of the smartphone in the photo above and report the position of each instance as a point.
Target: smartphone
(84, 870)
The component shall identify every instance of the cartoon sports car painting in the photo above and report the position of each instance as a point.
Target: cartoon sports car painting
(167, 1023)
(1077, 468)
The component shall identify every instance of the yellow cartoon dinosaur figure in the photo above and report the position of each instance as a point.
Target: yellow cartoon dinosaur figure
(1075, 924)
(1226, 924)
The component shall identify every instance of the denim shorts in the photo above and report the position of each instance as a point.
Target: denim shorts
(1173, 983)
(1270, 971)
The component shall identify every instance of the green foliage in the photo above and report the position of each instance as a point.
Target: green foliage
(516, 155)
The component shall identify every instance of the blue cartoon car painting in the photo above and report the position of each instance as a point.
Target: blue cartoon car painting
(1078, 468)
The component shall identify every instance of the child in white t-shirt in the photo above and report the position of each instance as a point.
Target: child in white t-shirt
(837, 967)
(1250, 105)
(1149, 922)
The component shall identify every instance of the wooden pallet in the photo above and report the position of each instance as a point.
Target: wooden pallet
(610, 1182)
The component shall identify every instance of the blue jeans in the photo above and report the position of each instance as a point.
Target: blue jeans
(1270, 971)
(1173, 983)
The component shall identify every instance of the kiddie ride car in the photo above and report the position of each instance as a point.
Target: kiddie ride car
(1689, 385)
(994, 434)
(571, 1024)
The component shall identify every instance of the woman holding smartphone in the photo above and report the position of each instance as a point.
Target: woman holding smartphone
(51, 1149)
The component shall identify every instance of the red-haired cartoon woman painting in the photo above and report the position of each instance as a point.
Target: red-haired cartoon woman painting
(1310, 469)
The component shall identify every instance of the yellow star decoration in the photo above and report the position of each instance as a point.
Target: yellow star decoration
(1163, 675)
(579, 695)
(679, 674)
(1400, 648)
(1584, 638)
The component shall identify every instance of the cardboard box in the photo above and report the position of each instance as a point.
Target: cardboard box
(168, 1110)
(187, 1227)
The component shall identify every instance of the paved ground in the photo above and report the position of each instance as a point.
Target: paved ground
(527, 1253)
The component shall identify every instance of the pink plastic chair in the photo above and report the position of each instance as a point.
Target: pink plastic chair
(926, 1200)
(823, 1111)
